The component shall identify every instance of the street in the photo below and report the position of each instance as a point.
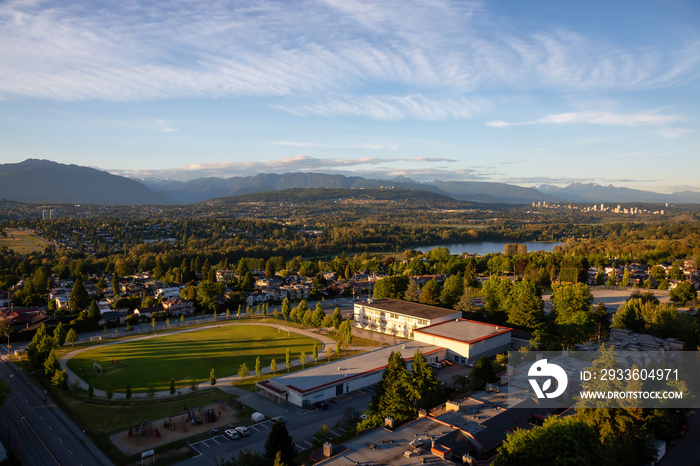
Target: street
(37, 431)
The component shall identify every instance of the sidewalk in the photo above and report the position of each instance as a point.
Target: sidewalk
(223, 383)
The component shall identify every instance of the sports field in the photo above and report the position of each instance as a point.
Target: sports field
(22, 241)
(183, 356)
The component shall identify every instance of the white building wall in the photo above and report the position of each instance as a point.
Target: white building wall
(393, 323)
(488, 347)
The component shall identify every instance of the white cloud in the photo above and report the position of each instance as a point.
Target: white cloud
(673, 133)
(426, 57)
(595, 118)
(336, 146)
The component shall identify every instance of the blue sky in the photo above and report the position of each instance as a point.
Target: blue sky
(518, 92)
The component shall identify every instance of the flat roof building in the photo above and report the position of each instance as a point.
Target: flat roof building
(319, 383)
(399, 318)
(466, 340)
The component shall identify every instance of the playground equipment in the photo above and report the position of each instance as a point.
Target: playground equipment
(144, 428)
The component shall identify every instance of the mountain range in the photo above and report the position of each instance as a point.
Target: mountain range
(46, 181)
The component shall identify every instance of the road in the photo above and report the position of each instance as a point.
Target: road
(38, 431)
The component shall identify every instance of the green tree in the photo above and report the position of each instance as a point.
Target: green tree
(412, 291)
(524, 305)
(72, 337)
(430, 294)
(600, 277)
(625, 278)
(465, 301)
(389, 399)
(172, 386)
(322, 436)
(481, 374)
(279, 442)
(286, 309)
(94, 312)
(452, 290)
(391, 287)
(258, 367)
(288, 358)
(314, 353)
(337, 318)
(60, 379)
(243, 370)
(273, 367)
(302, 358)
(566, 441)
(612, 278)
(570, 299)
(212, 377)
(78, 296)
(51, 365)
(59, 334)
(683, 292)
(318, 315)
(425, 384)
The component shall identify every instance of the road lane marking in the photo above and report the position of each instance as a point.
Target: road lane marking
(337, 435)
(71, 453)
(59, 439)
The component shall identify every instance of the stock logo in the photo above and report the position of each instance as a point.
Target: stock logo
(544, 369)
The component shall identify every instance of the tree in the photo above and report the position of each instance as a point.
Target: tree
(424, 381)
(72, 337)
(389, 399)
(412, 291)
(683, 292)
(273, 367)
(172, 386)
(314, 353)
(212, 377)
(602, 321)
(60, 379)
(524, 305)
(391, 287)
(452, 290)
(78, 296)
(93, 312)
(91, 389)
(278, 460)
(337, 318)
(59, 334)
(194, 385)
(51, 365)
(128, 391)
(465, 301)
(288, 358)
(600, 277)
(430, 294)
(322, 436)
(612, 278)
(568, 441)
(243, 370)
(625, 278)
(280, 442)
(302, 358)
(569, 299)
(258, 367)
(481, 374)
(286, 309)
(318, 316)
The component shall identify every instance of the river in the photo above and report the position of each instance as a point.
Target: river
(482, 248)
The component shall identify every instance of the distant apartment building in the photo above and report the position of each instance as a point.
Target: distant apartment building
(399, 318)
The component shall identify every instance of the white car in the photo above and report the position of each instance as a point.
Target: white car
(435, 365)
(243, 431)
(231, 433)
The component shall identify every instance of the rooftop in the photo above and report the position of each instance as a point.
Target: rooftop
(389, 447)
(463, 330)
(344, 369)
(409, 308)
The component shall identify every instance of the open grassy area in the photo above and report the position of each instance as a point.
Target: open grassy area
(23, 242)
(183, 356)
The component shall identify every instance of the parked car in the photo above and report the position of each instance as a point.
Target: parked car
(322, 405)
(231, 433)
(435, 365)
(446, 362)
(279, 419)
(243, 431)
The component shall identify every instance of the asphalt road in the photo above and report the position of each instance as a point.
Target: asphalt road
(38, 431)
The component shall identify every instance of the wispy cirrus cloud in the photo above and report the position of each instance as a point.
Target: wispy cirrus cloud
(595, 118)
(381, 60)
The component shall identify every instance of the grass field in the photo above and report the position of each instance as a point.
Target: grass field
(153, 361)
(23, 242)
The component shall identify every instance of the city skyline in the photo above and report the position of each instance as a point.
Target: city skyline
(507, 92)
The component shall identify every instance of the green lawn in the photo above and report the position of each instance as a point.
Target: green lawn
(153, 361)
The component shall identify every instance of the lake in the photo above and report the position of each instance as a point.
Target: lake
(490, 247)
